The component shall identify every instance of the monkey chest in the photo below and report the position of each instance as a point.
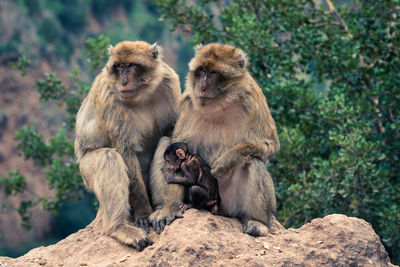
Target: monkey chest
(134, 133)
(212, 140)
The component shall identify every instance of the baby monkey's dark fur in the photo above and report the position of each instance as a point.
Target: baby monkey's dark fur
(201, 186)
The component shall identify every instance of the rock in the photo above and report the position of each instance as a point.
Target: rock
(203, 239)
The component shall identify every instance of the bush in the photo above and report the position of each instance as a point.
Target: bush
(330, 78)
(56, 155)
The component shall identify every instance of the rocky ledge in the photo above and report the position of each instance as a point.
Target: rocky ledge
(203, 239)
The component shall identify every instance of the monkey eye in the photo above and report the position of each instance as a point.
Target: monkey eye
(118, 65)
(213, 72)
(131, 65)
(201, 69)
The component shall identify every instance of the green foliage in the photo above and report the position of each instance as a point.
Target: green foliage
(14, 184)
(51, 88)
(55, 155)
(97, 50)
(21, 64)
(339, 143)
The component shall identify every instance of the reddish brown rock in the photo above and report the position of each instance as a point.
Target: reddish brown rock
(203, 239)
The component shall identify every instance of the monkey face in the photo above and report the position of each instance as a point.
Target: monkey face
(127, 76)
(206, 86)
(133, 67)
(173, 162)
(214, 70)
(175, 154)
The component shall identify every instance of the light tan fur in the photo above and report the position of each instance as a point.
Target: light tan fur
(234, 132)
(116, 138)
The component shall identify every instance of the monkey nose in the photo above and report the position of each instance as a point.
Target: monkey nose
(124, 82)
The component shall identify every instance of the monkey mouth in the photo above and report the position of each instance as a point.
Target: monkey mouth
(128, 93)
(204, 99)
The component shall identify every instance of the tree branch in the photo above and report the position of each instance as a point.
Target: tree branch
(338, 18)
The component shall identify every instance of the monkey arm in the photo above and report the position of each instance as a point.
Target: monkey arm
(265, 131)
(89, 137)
(183, 180)
(241, 153)
(189, 172)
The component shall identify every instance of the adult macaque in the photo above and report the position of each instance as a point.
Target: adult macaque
(132, 103)
(202, 187)
(224, 117)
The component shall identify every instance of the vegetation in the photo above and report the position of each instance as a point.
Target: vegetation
(329, 72)
(330, 78)
(55, 156)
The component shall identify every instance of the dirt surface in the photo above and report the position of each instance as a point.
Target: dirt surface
(203, 239)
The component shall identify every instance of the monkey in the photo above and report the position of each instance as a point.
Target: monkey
(201, 186)
(224, 117)
(132, 103)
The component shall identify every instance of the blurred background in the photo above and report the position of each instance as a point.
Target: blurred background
(329, 70)
(54, 36)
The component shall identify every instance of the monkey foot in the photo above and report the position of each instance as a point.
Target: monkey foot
(133, 236)
(255, 228)
(215, 210)
(185, 207)
(143, 223)
(160, 218)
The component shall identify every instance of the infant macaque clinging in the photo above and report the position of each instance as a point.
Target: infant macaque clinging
(195, 174)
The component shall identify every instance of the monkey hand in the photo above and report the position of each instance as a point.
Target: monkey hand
(219, 168)
(229, 160)
(162, 217)
(170, 178)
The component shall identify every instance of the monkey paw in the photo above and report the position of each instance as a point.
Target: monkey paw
(160, 218)
(255, 228)
(143, 223)
(170, 178)
(218, 169)
(185, 207)
(133, 236)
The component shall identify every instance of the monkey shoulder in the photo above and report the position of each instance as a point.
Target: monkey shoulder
(185, 106)
(89, 135)
(170, 74)
(192, 161)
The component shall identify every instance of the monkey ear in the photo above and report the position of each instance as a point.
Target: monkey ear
(180, 153)
(109, 51)
(242, 61)
(198, 47)
(156, 50)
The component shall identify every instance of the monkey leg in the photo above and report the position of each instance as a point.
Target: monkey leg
(166, 198)
(157, 181)
(105, 174)
(138, 197)
(248, 193)
(199, 197)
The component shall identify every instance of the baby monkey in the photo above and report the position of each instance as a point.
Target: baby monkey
(201, 186)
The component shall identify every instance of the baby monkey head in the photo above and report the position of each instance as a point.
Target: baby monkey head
(175, 154)
(213, 71)
(132, 67)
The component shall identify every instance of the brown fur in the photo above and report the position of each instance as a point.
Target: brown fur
(116, 138)
(235, 132)
(195, 174)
